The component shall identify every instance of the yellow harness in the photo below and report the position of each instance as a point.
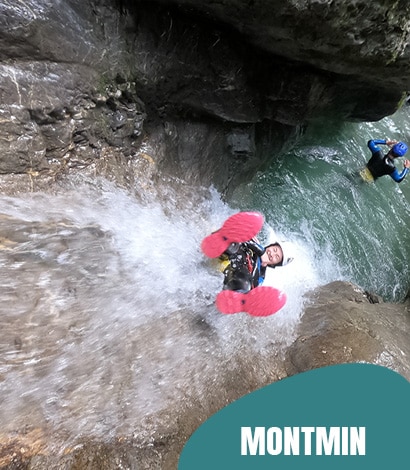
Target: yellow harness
(366, 175)
(220, 263)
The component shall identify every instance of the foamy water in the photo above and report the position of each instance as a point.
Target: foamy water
(108, 310)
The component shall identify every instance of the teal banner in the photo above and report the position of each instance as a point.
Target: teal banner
(351, 416)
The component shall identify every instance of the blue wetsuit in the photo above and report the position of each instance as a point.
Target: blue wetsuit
(381, 164)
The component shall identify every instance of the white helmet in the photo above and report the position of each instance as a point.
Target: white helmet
(287, 251)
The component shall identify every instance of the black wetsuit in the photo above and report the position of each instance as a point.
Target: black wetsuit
(380, 164)
(244, 271)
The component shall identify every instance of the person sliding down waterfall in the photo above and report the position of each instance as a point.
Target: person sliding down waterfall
(380, 164)
(245, 263)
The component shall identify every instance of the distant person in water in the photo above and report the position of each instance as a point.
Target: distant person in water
(381, 164)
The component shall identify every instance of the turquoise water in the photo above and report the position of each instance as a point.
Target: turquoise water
(353, 230)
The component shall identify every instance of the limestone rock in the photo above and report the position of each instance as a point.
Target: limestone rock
(341, 325)
(242, 78)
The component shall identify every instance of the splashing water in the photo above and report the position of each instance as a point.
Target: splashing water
(108, 308)
(108, 312)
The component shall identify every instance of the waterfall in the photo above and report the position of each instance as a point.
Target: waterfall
(108, 312)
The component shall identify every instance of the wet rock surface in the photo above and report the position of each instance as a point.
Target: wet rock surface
(216, 88)
(209, 92)
(342, 325)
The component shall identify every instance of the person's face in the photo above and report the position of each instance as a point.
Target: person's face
(273, 255)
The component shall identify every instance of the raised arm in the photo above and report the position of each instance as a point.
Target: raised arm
(373, 144)
(397, 176)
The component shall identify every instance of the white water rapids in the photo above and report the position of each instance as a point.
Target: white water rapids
(107, 311)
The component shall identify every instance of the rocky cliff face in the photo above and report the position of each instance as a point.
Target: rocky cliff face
(217, 87)
(357, 39)
(209, 90)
